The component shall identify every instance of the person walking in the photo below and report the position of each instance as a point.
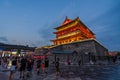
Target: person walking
(13, 68)
(57, 67)
(68, 61)
(46, 65)
(29, 67)
(38, 66)
(43, 66)
(22, 66)
(79, 62)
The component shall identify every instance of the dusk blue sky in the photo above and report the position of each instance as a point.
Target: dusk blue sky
(31, 22)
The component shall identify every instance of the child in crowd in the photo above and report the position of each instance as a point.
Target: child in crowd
(43, 67)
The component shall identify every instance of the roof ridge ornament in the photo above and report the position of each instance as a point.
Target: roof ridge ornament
(66, 17)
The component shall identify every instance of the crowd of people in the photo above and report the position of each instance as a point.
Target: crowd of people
(25, 66)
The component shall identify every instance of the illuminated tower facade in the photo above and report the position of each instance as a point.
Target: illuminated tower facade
(72, 31)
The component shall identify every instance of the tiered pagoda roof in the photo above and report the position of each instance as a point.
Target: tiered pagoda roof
(72, 30)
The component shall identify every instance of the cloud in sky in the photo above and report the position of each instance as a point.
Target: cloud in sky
(46, 34)
(3, 39)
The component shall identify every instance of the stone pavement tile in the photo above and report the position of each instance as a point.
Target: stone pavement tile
(37, 77)
(53, 77)
(3, 76)
(7, 73)
(77, 78)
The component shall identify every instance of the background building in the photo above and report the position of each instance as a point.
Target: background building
(13, 50)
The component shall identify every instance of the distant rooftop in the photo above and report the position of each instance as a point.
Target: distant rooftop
(10, 46)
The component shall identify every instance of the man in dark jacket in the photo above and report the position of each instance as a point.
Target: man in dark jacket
(22, 66)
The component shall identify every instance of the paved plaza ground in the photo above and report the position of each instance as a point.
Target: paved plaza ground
(83, 72)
